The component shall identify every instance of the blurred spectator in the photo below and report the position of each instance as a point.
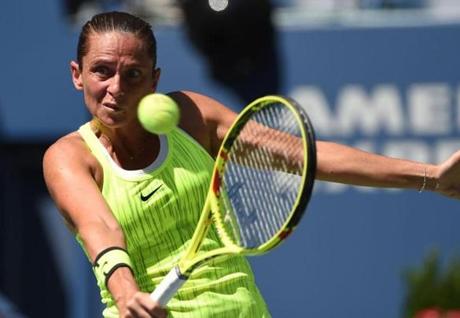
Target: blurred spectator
(238, 42)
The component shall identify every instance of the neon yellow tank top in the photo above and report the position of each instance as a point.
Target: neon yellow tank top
(158, 208)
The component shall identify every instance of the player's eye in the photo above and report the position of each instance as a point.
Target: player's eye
(133, 74)
(102, 71)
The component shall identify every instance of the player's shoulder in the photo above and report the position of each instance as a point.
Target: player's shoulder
(69, 156)
(69, 149)
(66, 144)
(204, 118)
(208, 107)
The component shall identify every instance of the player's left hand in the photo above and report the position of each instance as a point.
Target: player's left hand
(448, 177)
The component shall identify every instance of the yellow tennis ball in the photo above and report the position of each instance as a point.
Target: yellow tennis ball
(158, 113)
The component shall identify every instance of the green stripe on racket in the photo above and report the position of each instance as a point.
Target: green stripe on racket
(261, 185)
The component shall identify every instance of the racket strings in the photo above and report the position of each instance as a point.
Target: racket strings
(262, 176)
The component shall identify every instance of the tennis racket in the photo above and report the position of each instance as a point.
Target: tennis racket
(261, 185)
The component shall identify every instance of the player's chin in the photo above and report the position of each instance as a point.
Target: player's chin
(114, 120)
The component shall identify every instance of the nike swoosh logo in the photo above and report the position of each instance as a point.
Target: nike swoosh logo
(145, 198)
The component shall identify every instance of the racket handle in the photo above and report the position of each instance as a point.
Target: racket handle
(168, 286)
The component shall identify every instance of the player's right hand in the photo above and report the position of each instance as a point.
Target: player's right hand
(142, 306)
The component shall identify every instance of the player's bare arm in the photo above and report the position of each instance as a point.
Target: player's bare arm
(340, 163)
(74, 179)
(70, 175)
(336, 162)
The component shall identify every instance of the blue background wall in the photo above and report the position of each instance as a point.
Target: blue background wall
(350, 251)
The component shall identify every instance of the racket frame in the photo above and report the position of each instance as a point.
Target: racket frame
(308, 174)
(211, 210)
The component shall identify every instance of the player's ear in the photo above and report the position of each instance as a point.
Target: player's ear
(156, 78)
(76, 75)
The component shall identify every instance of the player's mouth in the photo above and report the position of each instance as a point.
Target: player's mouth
(112, 106)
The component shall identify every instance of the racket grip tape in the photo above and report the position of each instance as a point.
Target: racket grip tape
(168, 286)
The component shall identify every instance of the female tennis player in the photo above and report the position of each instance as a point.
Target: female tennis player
(133, 198)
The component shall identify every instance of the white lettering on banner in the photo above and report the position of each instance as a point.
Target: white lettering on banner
(429, 110)
(378, 120)
(429, 107)
(316, 105)
(356, 110)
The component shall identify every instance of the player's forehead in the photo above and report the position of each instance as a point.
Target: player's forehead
(116, 45)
